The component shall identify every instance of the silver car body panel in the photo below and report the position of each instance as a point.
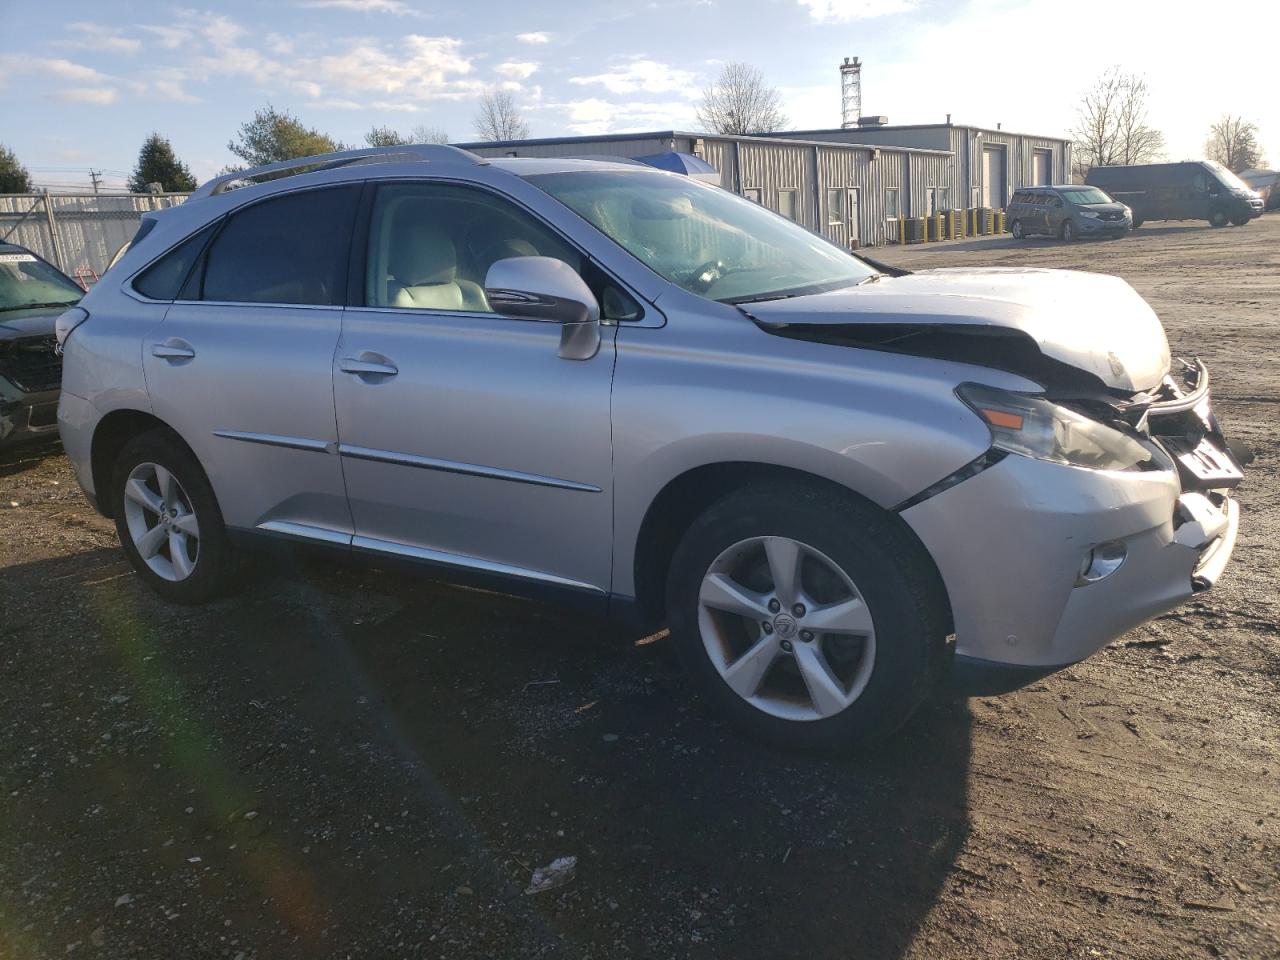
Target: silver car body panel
(486, 451)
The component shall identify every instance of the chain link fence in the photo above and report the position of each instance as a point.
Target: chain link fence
(78, 233)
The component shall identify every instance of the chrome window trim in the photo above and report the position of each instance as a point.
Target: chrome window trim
(466, 469)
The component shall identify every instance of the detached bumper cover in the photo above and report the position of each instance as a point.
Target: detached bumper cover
(1010, 541)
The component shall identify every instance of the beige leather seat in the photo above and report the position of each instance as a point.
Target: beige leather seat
(424, 268)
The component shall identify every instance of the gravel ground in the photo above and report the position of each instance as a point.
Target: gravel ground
(347, 763)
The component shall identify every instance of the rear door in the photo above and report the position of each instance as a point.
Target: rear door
(466, 439)
(241, 366)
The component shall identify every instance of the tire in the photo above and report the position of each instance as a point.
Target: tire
(883, 653)
(1218, 218)
(190, 560)
(1137, 223)
(1068, 231)
(1240, 221)
(1015, 228)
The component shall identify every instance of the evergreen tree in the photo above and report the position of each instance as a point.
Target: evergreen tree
(13, 175)
(274, 135)
(158, 164)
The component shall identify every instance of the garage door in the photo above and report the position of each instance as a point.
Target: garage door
(993, 179)
(1042, 168)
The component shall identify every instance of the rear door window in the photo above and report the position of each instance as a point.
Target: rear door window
(290, 249)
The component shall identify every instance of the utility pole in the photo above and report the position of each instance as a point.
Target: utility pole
(96, 177)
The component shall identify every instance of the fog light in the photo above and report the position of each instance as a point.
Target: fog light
(1101, 562)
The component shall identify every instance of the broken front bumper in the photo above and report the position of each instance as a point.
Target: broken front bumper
(1012, 544)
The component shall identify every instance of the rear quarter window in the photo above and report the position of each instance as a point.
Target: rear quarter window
(164, 278)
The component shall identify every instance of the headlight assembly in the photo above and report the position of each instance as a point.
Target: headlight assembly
(1036, 428)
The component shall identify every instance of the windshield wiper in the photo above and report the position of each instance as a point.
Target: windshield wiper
(39, 306)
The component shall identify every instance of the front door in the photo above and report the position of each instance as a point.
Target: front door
(466, 440)
(241, 365)
(855, 217)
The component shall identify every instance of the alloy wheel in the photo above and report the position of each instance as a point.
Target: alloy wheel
(161, 522)
(786, 628)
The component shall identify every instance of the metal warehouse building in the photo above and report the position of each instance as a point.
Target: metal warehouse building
(853, 185)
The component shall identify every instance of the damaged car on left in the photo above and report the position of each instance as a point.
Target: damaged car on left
(33, 293)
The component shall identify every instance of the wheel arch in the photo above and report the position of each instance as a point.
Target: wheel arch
(110, 436)
(687, 495)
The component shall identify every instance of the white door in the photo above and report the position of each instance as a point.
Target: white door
(1042, 168)
(855, 209)
(993, 178)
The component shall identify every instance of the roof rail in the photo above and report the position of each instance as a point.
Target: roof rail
(429, 152)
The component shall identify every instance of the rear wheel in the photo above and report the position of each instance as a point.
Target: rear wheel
(1016, 229)
(168, 520)
(807, 617)
(1240, 221)
(1218, 218)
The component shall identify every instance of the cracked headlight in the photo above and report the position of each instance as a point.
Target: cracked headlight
(1031, 427)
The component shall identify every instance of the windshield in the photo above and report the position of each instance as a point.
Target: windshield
(1227, 178)
(27, 281)
(1085, 195)
(704, 239)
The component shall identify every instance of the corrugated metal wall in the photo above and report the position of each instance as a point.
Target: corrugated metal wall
(87, 229)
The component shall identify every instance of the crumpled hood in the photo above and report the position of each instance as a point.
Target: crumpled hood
(1093, 322)
(17, 324)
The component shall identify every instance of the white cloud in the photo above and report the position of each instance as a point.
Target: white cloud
(641, 75)
(595, 116)
(101, 96)
(537, 36)
(396, 7)
(516, 70)
(96, 36)
(170, 38)
(842, 11)
(63, 69)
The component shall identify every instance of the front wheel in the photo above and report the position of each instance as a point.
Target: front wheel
(1240, 221)
(1068, 231)
(1218, 218)
(1016, 229)
(808, 617)
(168, 520)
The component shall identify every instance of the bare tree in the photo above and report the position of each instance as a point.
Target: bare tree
(384, 137)
(1111, 124)
(389, 137)
(741, 102)
(1233, 142)
(499, 118)
(422, 133)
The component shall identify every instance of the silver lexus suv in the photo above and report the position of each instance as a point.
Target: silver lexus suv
(840, 485)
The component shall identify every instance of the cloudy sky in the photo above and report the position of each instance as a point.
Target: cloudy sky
(83, 83)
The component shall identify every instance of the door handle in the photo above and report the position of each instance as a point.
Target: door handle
(173, 350)
(361, 366)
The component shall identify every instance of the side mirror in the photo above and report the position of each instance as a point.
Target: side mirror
(543, 288)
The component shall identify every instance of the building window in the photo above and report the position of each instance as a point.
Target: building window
(787, 203)
(835, 208)
(752, 194)
(891, 209)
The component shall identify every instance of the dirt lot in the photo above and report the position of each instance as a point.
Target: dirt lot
(352, 764)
